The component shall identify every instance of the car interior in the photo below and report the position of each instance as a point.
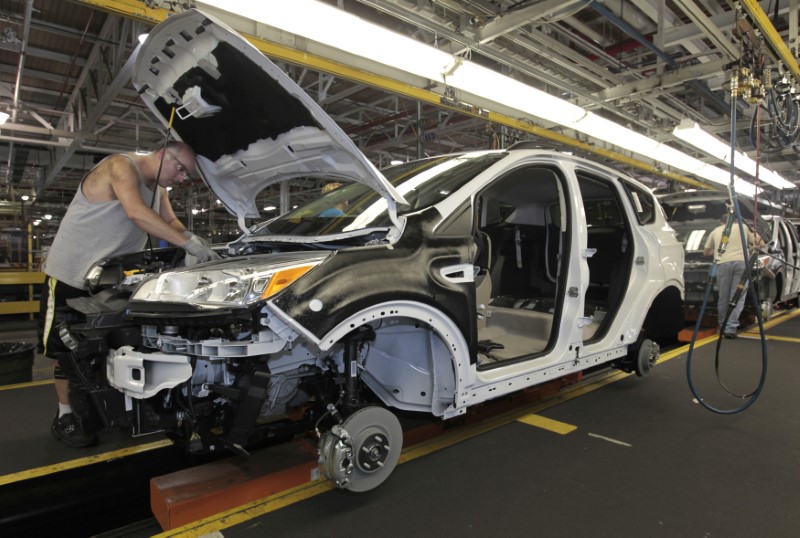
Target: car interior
(523, 242)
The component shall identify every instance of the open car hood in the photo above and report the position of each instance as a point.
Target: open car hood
(249, 123)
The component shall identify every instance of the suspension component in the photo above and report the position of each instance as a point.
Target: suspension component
(353, 342)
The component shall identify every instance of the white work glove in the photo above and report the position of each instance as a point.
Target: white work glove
(198, 248)
(188, 235)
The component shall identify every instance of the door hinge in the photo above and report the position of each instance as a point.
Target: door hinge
(572, 292)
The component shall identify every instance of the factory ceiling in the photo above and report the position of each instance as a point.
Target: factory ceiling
(645, 64)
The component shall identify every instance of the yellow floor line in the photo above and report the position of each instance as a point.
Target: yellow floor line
(778, 319)
(777, 338)
(81, 462)
(783, 316)
(548, 424)
(27, 384)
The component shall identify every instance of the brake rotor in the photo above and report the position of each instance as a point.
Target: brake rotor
(647, 357)
(361, 453)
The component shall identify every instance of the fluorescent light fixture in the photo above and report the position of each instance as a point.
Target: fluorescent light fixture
(395, 162)
(4, 117)
(25, 197)
(48, 216)
(270, 208)
(599, 127)
(691, 133)
(745, 187)
(336, 28)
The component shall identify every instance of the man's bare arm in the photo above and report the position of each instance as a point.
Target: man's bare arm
(125, 185)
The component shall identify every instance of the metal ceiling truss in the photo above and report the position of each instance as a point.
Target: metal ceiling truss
(308, 56)
(75, 121)
(648, 75)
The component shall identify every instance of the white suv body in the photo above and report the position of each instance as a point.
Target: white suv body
(441, 284)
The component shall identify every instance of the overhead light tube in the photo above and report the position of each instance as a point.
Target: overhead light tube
(691, 133)
(336, 28)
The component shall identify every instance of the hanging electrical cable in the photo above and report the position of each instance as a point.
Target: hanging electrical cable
(745, 285)
(782, 129)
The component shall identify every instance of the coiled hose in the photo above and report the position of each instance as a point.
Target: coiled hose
(746, 283)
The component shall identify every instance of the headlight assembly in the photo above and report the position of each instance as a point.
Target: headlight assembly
(227, 285)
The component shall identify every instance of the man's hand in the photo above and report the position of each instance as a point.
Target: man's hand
(188, 235)
(198, 247)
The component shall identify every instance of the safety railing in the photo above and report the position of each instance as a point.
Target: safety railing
(20, 278)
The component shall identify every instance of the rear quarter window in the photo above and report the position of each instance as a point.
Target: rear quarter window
(642, 201)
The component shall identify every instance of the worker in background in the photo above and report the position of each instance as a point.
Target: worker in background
(118, 203)
(338, 209)
(730, 268)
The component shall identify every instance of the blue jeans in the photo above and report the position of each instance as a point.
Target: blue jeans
(728, 276)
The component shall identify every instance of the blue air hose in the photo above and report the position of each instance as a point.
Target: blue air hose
(753, 396)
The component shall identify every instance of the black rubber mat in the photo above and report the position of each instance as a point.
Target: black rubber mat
(789, 329)
(645, 460)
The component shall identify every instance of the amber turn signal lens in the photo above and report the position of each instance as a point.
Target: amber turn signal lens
(283, 278)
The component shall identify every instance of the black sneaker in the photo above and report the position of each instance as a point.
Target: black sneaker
(68, 429)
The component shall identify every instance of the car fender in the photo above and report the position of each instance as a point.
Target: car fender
(355, 279)
(404, 379)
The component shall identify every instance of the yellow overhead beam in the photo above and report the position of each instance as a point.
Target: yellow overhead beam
(138, 10)
(132, 9)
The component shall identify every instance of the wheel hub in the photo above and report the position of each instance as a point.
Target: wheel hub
(647, 357)
(373, 453)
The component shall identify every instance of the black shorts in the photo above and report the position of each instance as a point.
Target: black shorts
(53, 311)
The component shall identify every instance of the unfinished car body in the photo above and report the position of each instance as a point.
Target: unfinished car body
(428, 288)
(695, 214)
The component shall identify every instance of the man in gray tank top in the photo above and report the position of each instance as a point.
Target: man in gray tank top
(121, 200)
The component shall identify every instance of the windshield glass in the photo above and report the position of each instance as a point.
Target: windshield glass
(694, 233)
(355, 206)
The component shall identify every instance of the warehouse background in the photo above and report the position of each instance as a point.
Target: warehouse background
(645, 64)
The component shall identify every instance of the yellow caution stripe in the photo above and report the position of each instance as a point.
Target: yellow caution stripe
(27, 384)
(81, 462)
(757, 336)
(548, 424)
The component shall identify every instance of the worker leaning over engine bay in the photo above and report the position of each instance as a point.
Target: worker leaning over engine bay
(118, 203)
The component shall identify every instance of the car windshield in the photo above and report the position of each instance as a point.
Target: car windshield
(694, 233)
(355, 206)
(705, 213)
